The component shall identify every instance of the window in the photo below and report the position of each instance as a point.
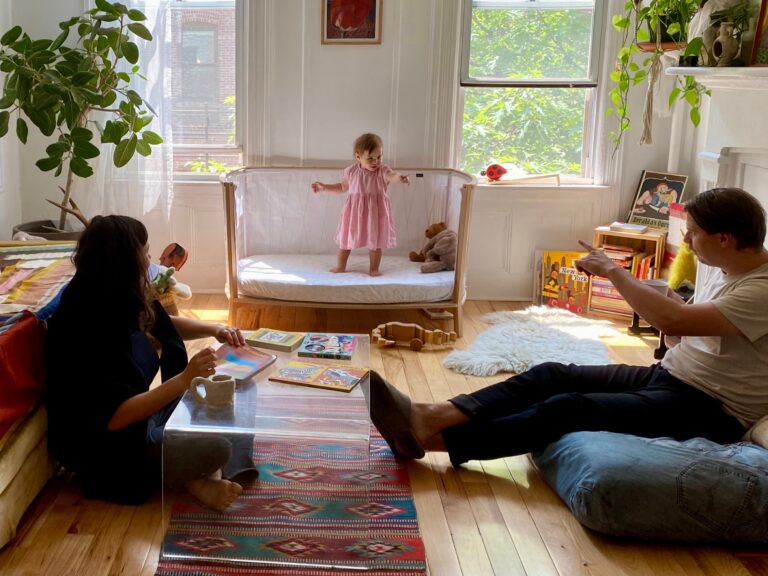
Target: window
(529, 77)
(203, 71)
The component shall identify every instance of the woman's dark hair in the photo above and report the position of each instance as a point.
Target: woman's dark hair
(111, 263)
(730, 211)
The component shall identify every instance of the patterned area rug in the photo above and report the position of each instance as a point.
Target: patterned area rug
(521, 339)
(324, 505)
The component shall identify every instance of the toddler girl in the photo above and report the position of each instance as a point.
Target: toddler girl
(366, 219)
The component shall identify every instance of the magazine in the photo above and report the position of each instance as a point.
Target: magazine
(274, 339)
(322, 345)
(243, 362)
(343, 377)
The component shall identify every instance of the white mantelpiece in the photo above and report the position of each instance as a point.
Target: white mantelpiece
(726, 78)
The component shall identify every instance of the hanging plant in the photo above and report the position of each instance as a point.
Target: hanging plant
(655, 28)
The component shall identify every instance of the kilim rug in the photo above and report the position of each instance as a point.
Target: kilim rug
(323, 504)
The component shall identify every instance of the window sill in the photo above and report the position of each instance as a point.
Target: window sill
(726, 78)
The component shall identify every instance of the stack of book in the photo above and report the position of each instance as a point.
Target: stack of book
(603, 296)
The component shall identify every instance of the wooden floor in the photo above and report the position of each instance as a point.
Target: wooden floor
(497, 517)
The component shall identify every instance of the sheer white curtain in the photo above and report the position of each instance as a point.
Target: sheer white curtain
(145, 183)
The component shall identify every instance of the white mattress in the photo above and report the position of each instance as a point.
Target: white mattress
(307, 278)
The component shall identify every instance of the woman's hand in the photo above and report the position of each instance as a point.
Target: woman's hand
(230, 335)
(317, 187)
(201, 364)
(405, 179)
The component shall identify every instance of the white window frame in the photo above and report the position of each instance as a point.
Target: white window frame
(592, 80)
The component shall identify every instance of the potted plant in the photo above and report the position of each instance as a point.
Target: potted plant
(56, 87)
(653, 28)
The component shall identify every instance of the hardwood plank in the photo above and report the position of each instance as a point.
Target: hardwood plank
(496, 517)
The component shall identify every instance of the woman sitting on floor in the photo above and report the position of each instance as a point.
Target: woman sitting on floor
(104, 422)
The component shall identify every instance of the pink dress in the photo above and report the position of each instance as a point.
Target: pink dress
(366, 219)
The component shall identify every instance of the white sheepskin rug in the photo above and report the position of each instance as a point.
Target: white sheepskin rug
(521, 339)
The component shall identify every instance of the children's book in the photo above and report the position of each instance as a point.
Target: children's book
(562, 286)
(627, 227)
(322, 345)
(343, 377)
(243, 362)
(274, 339)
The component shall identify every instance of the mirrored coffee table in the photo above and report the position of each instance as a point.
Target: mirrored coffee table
(310, 504)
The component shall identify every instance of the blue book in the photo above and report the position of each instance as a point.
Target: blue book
(323, 345)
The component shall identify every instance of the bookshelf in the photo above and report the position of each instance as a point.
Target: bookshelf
(642, 253)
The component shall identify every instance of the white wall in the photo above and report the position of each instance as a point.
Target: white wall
(10, 194)
(307, 102)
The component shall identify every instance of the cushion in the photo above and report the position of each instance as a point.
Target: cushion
(22, 376)
(660, 488)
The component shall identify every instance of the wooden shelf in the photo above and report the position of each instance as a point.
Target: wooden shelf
(726, 77)
(651, 243)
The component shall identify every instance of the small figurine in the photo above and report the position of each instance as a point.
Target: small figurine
(494, 172)
(413, 335)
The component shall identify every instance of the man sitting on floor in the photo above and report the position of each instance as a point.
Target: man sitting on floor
(714, 384)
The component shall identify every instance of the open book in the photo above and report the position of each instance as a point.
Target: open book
(243, 362)
(341, 377)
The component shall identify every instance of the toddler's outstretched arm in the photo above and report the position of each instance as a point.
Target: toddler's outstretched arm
(395, 176)
(337, 188)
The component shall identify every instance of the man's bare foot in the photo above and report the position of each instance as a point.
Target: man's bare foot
(337, 270)
(374, 273)
(215, 493)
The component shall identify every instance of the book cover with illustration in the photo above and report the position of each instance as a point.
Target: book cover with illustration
(341, 377)
(322, 345)
(243, 362)
(274, 339)
(563, 286)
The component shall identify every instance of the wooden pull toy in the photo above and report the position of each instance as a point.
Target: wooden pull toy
(412, 335)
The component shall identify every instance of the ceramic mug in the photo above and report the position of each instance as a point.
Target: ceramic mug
(219, 390)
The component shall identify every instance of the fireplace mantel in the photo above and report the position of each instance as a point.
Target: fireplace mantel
(726, 78)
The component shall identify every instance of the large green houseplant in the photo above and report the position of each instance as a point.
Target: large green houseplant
(57, 86)
(651, 29)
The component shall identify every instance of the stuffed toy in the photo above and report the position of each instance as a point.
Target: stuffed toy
(439, 252)
(494, 172)
(682, 271)
(164, 281)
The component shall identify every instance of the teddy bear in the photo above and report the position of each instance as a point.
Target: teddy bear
(439, 252)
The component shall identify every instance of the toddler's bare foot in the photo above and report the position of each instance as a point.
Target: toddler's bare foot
(337, 270)
(215, 493)
(374, 273)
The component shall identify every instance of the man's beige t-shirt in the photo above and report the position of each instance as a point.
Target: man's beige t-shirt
(733, 369)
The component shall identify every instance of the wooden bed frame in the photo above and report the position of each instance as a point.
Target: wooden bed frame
(452, 305)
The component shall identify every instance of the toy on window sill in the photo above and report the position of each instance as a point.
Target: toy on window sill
(494, 172)
(411, 335)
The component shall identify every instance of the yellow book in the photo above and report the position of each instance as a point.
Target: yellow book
(274, 339)
(341, 377)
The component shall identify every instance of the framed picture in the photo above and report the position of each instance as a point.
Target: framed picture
(351, 22)
(657, 191)
(760, 45)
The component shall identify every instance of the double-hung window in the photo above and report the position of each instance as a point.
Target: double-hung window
(529, 77)
(204, 56)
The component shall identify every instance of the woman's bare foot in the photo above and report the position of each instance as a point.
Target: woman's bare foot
(337, 270)
(374, 273)
(214, 492)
